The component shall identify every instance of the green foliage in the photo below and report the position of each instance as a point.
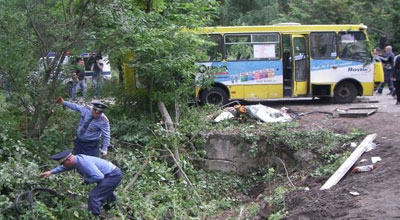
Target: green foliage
(380, 15)
(333, 163)
(164, 52)
(157, 193)
(277, 200)
(254, 12)
(32, 29)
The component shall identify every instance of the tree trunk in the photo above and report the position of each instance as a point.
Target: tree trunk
(169, 126)
(39, 120)
(121, 75)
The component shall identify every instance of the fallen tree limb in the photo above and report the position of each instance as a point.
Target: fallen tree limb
(342, 170)
(169, 126)
(136, 176)
(287, 173)
(179, 167)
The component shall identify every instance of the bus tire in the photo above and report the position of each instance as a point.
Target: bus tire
(345, 92)
(215, 96)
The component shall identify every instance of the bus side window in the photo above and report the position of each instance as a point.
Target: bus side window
(238, 47)
(323, 45)
(212, 49)
(239, 52)
(252, 47)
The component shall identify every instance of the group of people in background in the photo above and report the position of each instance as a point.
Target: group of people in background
(78, 76)
(391, 68)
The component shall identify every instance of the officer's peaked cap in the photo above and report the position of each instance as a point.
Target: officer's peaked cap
(99, 106)
(62, 156)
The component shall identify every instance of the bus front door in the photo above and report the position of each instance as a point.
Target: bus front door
(300, 66)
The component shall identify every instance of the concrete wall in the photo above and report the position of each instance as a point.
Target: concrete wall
(230, 153)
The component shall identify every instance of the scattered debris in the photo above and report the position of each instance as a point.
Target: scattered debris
(365, 100)
(366, 168)
(353, 144)
(370, 147)
(309, 113)
(267, 114)
(354, 193)
(338, 175)
(224, 116)
(257, 112)
(375, 159)
(363, 160)
(313, 112)
(357, 112)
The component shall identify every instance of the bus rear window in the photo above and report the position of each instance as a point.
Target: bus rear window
(252, 46)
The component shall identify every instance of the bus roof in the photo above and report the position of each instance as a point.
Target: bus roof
(282, 28)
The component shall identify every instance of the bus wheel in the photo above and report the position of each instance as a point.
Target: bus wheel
(345, 93)
(215, 96)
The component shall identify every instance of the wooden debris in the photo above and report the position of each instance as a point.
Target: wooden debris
(338, 175)
(365, 100)
(358, 112)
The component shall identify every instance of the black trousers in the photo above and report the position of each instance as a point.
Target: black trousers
(104, 191)
(397, 86)
(90, 148)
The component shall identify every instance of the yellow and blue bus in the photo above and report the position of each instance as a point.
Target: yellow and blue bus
(287, 61)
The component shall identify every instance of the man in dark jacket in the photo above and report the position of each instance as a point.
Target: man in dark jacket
(387, 60)
(396, 79)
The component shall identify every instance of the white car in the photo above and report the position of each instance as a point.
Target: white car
(68, 65)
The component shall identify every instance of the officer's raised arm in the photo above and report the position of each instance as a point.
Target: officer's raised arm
(75, 107)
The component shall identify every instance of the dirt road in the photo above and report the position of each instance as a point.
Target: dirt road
(379, 189)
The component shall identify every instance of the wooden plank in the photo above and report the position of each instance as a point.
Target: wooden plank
(355, 113)
(365, 100)
(338, 175)
(371, 107)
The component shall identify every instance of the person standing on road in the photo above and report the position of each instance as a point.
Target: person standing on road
(92, 126)
(387, 61)
(93, 170)
(97, 68)
(396, 79)
(78, 77)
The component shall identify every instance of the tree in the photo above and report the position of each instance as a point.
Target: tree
(381, 15)
(254, 12)
(163, 51)
(29, 31)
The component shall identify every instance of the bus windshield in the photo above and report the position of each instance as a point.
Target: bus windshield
(353, 46)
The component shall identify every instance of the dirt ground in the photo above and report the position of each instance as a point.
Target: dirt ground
(379, 193)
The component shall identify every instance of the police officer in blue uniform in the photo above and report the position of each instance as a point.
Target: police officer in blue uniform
(93, 170)
(92, 125)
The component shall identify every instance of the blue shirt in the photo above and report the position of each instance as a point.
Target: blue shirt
(93, 169)
(98, 127)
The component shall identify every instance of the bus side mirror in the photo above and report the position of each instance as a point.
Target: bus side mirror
(382, 41)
